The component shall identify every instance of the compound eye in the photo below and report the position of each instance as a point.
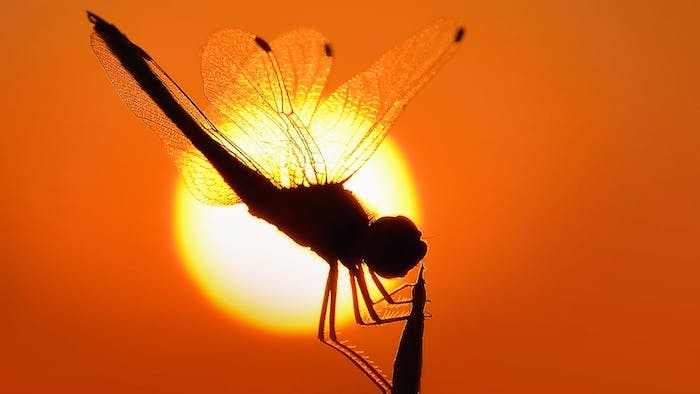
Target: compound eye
(393, 246)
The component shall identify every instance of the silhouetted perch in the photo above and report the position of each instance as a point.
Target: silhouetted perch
(409, 356)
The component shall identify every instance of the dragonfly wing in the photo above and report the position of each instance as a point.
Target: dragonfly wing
(267, 94)
(352, 122)
(305, 59)
(202, 179)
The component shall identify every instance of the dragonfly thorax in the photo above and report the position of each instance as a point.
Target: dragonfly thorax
(326, 218)
(331, 221)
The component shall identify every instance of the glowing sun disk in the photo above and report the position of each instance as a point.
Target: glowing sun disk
(251, 270)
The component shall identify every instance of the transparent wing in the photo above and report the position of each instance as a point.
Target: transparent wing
(202, 179)
(268, 94)
(351, 123)
(304, 57)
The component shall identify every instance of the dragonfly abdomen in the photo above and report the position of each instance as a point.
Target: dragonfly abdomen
(246, 182)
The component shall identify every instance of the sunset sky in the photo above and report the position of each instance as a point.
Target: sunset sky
(558, 175)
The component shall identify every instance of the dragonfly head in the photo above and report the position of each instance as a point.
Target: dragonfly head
(393, 246)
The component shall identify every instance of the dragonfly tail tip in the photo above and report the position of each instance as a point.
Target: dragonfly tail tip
(94, 19)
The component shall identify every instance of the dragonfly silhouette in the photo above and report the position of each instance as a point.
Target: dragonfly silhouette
(284, 152)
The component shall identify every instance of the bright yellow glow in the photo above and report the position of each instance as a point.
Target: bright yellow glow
(250, 270)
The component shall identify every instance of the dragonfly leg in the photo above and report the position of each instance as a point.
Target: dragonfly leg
(324, 308)
(386, 295)
(331, 339)
(357, 280)
(355, 302)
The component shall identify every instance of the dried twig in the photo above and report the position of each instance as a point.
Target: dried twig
(409, 356)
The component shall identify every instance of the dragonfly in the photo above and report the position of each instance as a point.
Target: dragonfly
(271, 142)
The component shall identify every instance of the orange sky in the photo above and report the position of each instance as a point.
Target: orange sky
(556, 159)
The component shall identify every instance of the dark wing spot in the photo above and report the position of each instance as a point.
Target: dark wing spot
(263, 44)
(459, 35)
(327, 48)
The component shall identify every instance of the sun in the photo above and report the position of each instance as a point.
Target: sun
(253, 272)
